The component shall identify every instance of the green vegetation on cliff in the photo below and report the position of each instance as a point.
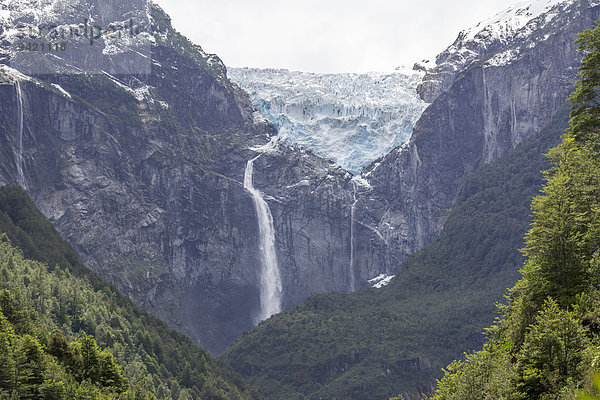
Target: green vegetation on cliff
(54, 313)
(545, 344)
(376, 343)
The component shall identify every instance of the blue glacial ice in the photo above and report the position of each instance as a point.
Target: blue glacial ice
(350, 119)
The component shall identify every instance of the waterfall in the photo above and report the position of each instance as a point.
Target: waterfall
(352, 273)
(513, 125)
(270, 280)
(490, 140)
(19, 149)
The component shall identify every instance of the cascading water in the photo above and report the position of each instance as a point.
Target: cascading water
(270, 279)
(352, 273)
(19, 149)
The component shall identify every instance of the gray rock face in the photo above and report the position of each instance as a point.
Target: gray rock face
(143, 175)
(498, 100)
(499, 39)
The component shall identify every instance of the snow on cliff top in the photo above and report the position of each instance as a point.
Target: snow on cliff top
(504, 33)
(509, 21)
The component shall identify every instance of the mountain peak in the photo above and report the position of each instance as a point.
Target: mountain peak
(497, 40)
(506, 23)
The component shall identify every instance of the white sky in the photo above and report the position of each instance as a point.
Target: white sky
(327, 35)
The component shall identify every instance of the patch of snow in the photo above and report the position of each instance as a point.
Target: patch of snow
(380, 281)
(507, 29)
(64, 21)
(258, 118)
(362, 181)
(63, 91)
(373, 168)
(118, 82)
(502, 58)
(424, 65)
(269, 147)
(142, 93)
(507, 22)
(303, 182)
(13, 73)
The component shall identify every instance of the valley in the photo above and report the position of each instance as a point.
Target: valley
(340, 235)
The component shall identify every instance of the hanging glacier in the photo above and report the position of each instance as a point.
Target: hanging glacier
(350, 119)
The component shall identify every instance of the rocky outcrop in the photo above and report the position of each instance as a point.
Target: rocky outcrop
(500, 38)
(499, 99)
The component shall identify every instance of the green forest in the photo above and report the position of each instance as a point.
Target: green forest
(66, 334)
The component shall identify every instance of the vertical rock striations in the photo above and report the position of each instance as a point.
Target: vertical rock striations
(19, 146)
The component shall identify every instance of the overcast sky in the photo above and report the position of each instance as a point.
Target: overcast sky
(327, 35)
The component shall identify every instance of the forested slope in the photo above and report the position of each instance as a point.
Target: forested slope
(54, 313)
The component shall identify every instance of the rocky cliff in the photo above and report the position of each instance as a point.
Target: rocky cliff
(489, 104)
(143, 174)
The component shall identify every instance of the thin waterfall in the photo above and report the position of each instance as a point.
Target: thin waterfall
(352, 273)
(19, 150)
(270, 279)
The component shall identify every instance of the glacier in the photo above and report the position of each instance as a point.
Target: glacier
(350, 119)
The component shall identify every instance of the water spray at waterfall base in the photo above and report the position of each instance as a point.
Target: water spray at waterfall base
(270, 279)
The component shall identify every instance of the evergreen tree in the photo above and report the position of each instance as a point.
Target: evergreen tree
(563, 237)
(7, 365)
(585, 117)
(30, 367)
(554, 352)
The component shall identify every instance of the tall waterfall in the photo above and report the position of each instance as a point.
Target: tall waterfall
(270, 279)
(351, 272)
(19, 149)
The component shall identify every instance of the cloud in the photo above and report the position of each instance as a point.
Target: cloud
(326, 36)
